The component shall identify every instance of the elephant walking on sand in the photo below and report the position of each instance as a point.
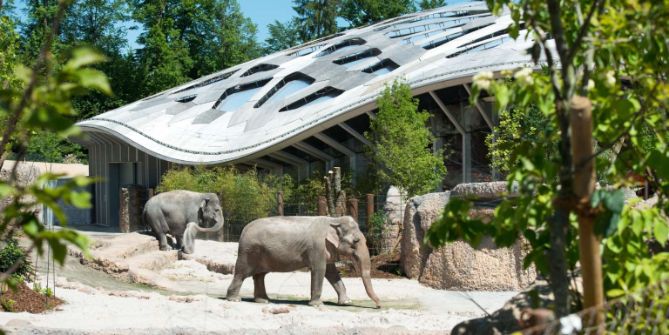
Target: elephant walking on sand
(285, 244)
(182, 214)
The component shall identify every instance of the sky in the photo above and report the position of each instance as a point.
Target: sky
(264, 12)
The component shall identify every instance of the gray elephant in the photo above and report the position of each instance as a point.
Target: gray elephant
(289, 243)
(180, 213)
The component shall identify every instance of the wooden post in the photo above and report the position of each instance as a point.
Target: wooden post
(322, 206)
(352, 208)
(370, 208)
(583, 186)
(279, 203)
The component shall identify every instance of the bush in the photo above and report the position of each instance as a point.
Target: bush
(12, 253)
(245, 196)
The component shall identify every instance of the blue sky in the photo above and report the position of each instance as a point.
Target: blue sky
(264, 12)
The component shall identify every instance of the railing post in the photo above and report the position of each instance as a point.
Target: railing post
(322, 206)
(279, 203)
(370, 208)
(583, 186)
(352, 208)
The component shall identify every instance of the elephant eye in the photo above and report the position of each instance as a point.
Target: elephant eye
(356, 239)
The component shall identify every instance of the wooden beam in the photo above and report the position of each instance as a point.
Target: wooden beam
(334, 144)
(478, 106)
(355, 134)
(309, 149)
(448, 113)
(288, 158)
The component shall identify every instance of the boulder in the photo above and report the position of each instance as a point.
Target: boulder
(394, 210)
(483, 191)
(457, 265)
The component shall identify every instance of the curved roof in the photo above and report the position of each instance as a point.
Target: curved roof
(256, 107)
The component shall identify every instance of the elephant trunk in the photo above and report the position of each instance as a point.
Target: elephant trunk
(361, 256)
(215, 228)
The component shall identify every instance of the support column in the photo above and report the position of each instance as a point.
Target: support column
(466, 147)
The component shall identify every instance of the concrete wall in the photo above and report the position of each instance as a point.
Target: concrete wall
(104, 151)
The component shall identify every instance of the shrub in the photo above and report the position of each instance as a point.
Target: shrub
(12, 253)
(245, 196)
(7, 304)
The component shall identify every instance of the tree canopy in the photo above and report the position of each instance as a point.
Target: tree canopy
(400, 152)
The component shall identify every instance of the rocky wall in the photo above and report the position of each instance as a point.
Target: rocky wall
(457, 265)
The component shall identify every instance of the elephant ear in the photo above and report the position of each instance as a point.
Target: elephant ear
(332, 237)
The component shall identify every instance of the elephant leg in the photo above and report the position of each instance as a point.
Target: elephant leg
(317, 275)
(243, 270)
(332, 275)
(162, 242)
(179, 239)
(259, 293)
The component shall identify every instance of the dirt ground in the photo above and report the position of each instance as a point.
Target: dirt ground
(185, 297)
(24, 299)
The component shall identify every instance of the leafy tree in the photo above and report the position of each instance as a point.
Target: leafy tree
(429, 4)
(613, 55)
(315, 18)
(282, 36)
(401, 143)
(164, 58)
(363, 12)
(40, 103)
(188, 39)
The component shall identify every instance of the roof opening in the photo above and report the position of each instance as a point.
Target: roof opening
(481, 46)
(346, 43)
(186, 98)
(292, 83)
(357, 56)
(321, 95)
(208, 81)
(235, 97)
(259, 68)
(382, 67)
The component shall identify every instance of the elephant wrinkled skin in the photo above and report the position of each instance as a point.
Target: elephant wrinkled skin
(182, 214)
(285, 244)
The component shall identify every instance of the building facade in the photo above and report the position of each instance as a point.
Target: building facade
(307, 108)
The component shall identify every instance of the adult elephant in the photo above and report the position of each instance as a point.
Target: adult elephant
(183, 212)
(284, 244)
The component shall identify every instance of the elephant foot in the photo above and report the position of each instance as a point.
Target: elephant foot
(315, 303)
(261, 300)
(344, 301)
(233, 298)
(165, 248)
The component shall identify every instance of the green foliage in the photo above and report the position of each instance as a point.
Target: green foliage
(12, 253)
(530, 124)
(245, 196)
(41, 103)
(401, 143)
(7, 304)
(187, 39)
(614, 53)
(282, 36)
(364, 12)
(315, 18)
(429, 4)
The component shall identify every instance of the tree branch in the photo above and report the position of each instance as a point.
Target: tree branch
(27, 93)
(584, 29)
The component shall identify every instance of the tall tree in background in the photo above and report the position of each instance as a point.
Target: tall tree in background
(164, 58)
(282, 36)
(315, 18)
(364, 12)
(429, 4)
(401, 143)
(186, 39)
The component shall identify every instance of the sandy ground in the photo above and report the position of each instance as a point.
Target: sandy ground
(188, 299)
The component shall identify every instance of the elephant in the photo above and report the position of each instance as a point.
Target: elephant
(289, 243)
(181, 214)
